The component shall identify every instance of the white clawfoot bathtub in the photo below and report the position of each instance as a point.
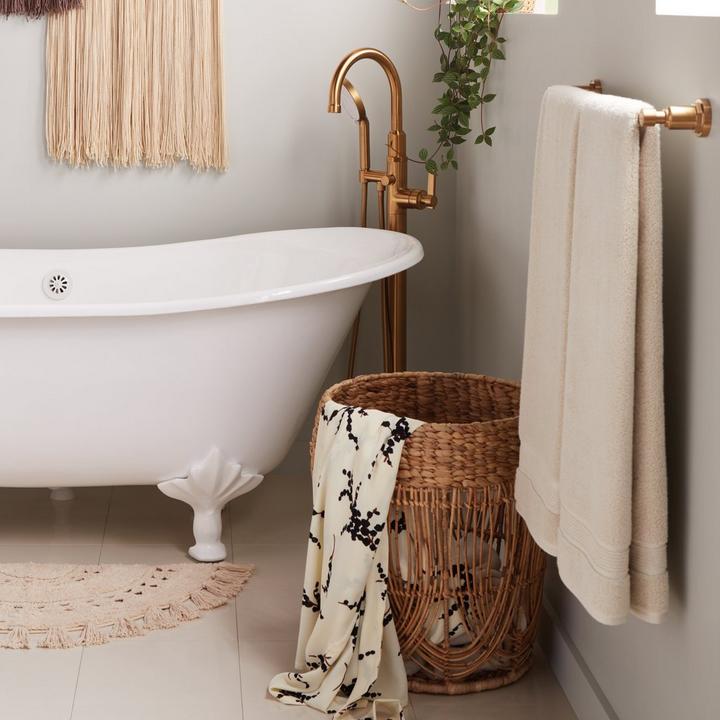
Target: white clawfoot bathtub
(190, 366)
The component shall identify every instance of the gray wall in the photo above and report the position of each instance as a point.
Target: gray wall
(292, 164)
(641, 672)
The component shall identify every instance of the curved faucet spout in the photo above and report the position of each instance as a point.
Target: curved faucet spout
(400, 198)
(393, 77)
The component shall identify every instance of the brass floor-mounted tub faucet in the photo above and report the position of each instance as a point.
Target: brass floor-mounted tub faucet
(400, 199)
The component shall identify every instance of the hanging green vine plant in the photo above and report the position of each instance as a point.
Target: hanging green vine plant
(468, 33)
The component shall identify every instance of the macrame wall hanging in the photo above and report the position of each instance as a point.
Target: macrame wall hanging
(137, 82)
(36, 8)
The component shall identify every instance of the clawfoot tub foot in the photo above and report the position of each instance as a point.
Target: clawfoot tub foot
(208, 487)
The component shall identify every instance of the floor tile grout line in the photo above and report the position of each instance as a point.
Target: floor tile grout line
(105, 524)
(77, 683)
(237, 624)
(82, 650)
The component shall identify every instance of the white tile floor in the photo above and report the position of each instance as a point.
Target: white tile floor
(217, 667)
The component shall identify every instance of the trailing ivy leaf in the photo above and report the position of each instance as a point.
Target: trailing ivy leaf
(470, 40)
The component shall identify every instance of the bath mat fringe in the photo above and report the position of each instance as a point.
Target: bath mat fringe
(17, 639)
(57, 639)
(90, 635)
(223, 584)
(125, 628)
(204, 600)
(182, 613)
(37, 8)
(158, 619)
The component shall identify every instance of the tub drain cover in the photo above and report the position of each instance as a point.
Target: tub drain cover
(57, 285)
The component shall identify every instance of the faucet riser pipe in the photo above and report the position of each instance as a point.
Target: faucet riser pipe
(399, 196)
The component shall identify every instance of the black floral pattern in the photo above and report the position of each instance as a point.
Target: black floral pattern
(347, 412)
(399, 525)
(350, 505)
(361, 525)
(314, 540)
(399, 433)
(321, 661)
(301, 697)
(328, 575)
(314, 602)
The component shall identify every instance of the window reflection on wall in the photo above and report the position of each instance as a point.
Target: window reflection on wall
(688, 7)
(541, 7)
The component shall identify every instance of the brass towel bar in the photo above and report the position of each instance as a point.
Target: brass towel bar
(696, 117)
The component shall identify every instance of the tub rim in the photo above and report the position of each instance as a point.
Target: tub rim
(409, 254)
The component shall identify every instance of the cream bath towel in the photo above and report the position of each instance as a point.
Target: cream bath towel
(592, 479)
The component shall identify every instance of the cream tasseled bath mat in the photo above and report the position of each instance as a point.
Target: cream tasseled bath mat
(63, 606)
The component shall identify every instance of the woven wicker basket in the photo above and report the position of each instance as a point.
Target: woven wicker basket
(465, 575)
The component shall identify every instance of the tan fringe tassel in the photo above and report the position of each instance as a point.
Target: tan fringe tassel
(57, 639)
(17, 639)
(159, 619)
(137, 82)
(92, 635)
(182, 613)
(125, 628)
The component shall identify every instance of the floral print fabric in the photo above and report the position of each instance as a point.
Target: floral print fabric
(348, 653)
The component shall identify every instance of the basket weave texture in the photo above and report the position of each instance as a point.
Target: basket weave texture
(465, 576)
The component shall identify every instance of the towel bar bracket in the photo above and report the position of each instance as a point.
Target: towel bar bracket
(696, 117)
(595, 86)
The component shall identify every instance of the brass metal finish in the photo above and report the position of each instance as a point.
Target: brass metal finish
(400, 198)
(696, 117)
(364, 130)
(354, 337)
(336, 85)
(382, 181)
(594, 86)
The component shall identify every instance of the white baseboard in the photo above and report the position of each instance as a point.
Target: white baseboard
(574, 676)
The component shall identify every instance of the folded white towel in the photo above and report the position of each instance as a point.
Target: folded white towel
(592, 479)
